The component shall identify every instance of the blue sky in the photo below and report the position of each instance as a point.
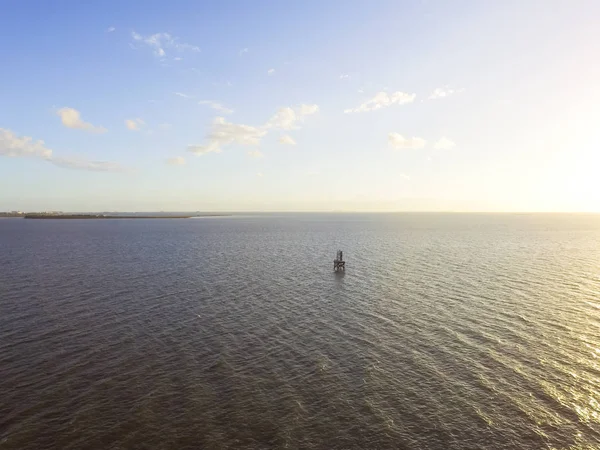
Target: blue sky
(313, 105)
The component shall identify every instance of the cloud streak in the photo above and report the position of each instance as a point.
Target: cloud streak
(71, 118)
(15, 146)
(161, 42)
(383, 100)
(216, 106)
(84, 164)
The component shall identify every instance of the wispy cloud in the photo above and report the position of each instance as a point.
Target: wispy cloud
(244, 50)
(161, 42)
(256, 154)
(134, 124)
(84, 164)
(12, 145)
(382, 100)
(344, 76)
(403, 176)
(176, 161)
(286, 139)
(182, 95)
(270, 71)
(165, 126)
(216, 106)
(307, 110)
(110, 29)
(444, 144)
(399, 142)
(222, 83)
(287, 118)
(71, 118)
(443, 92)
(259, 175)
(224, 133)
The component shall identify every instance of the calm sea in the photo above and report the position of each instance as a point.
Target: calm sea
(447, 331)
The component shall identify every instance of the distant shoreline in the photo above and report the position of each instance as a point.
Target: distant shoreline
(102, 216)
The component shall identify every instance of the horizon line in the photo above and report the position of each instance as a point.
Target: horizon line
(23, 212)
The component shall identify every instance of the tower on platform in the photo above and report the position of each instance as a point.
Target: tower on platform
(339, 265)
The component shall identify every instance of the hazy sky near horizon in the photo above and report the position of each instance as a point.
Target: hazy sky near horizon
(312, 105)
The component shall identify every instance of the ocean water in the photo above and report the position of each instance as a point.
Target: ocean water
(447, 331)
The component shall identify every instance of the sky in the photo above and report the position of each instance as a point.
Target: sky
(300, 106)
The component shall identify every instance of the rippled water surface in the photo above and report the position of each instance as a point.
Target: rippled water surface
(446, 332)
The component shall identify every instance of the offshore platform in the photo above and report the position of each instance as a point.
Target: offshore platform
(339, 265)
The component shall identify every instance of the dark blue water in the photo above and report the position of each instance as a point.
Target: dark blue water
(455, 331)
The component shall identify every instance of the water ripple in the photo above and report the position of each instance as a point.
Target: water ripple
(446, 332)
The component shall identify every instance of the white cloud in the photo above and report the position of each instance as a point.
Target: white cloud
(244, 50)
(443, 92)
(161, 41)
(398, 141)
(270, 71)
(256, 154)
(71, 118)
(382, 100)
(286, 139)
(110, 29)
(307, 110)
(165, 126)
(176, 161)
(286, 118)
(344, 76)
(444, 144)
(259, 174)
(216, 106)
(178, 58)
(403, 176)
(12, 145)
(180, 94)
(225, 133)
(134, 124)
